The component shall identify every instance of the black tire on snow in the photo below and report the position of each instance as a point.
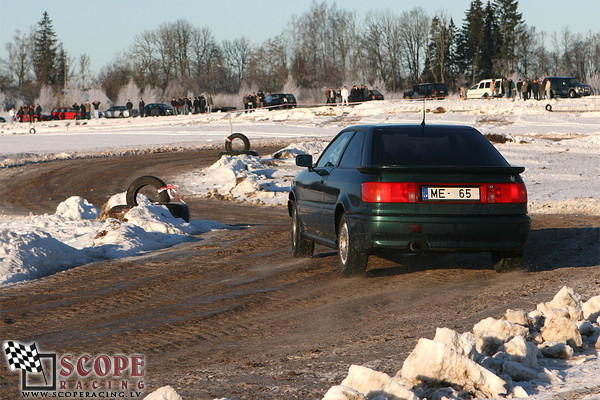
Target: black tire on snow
(351, 262)
(548, 107)
(147, 180)
(301, 247)
(32, 130)
(231, 138)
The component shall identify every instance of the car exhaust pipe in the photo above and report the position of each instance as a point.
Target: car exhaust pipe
(418, 246)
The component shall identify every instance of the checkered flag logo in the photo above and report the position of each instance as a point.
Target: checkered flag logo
(21, 356)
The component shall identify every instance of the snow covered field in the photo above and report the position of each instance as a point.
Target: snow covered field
(560, 150)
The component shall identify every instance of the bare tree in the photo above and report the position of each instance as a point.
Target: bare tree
(414, 34)
(84, 68)
(19, 63)
(237, 55)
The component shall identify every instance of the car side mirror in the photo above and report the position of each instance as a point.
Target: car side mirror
(304, 160)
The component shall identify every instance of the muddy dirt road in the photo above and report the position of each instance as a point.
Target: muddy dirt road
(234, 315)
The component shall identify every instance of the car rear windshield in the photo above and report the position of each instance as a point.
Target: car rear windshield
(433, 146)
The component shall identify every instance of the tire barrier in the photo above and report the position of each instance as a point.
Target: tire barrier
(164, 195)
(234, 136)
(549, 107)
(147, 180)
(230, 151)
(32, 130)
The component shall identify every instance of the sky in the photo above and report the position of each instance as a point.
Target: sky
(104, 29)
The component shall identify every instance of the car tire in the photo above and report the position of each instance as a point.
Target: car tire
(351, 262)
(231, 138)
(504, 262)
(301, 247)
(549, 107)
(572, 94)
(147, 180)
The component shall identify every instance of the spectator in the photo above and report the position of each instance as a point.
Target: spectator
(548, 88)
(202, 104)
(525, 89)
(511, 89)
(344, 93)
(209, 102)
(13, 115)
(30, 113)
(141, 106)
(83, 112)
(75, 107)
(535, 89)
(96, 105)
(519, 87)
(129, 107)
(38, 112)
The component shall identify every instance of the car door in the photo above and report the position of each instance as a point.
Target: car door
(313, 187)
(342, 183)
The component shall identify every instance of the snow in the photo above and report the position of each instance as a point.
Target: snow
(39, 245)
(559, 149)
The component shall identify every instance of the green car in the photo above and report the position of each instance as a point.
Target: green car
(409, 188)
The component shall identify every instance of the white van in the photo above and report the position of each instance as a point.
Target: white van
(484, 89)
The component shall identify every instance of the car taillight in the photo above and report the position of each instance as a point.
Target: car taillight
(506, 193)
(389, 192)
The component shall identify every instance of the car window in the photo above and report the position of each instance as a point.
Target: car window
(332, 154)
(353, 155)
(433, 146)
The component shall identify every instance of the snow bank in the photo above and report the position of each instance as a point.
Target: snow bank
(35, 246)
(257, 180)
(522, 354)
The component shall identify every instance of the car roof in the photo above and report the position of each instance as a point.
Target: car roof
(409, 126)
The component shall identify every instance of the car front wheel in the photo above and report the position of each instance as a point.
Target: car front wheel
(301, 247)
(350, 261)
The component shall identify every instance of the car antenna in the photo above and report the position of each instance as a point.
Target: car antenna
(423, 122)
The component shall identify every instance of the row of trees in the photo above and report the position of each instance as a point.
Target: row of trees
(325, 47)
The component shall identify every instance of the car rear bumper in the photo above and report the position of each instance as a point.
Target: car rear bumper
(442, 233)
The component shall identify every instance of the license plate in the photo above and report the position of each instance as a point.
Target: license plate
(442, 193)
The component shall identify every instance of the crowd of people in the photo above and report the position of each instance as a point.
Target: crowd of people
(254, 100)
(343, 96)
(26, 113)
(187, 105)
(525, 89)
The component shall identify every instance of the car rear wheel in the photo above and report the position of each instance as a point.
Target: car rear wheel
(504, 262)
(351, 262)
(301, 247)
(572, 94)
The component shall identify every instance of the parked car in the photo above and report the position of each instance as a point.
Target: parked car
(374, 95)
(280, 100)
(409, 188)
(63, 113)
(156, 109)
(484, 89)
(119, 112)
(567, 87)
(427, 91)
